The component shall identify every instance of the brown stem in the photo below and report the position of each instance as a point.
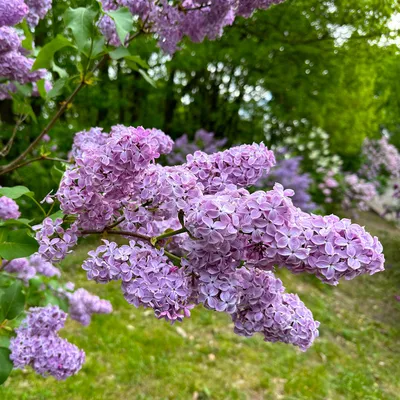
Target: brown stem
(7, 147)
(14, 164)
(41, 158)
(122, 233)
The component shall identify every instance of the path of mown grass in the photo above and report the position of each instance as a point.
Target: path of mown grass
(131, 355)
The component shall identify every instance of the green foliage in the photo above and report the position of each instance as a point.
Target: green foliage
(12, 302)
(57, 89)
(14, 192)
(16, 243)
(46, 54)
(81, 22)
(6, 365)
(123, 22)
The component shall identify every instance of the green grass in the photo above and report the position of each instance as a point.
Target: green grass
(131, 355)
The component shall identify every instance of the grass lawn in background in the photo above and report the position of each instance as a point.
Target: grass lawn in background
(131, 355)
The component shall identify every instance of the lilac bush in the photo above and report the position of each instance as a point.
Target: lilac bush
(197, 236)
(190, 235)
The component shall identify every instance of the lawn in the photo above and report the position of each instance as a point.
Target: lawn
(131, 355)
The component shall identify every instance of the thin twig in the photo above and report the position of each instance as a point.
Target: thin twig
(122, 233)
(15, 163)
(171, 233)
(7, 147)
(32, 160)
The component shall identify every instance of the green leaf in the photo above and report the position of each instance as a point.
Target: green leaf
(17, 244)
(123, 22)
(14, 192)
(6, 365)
(138, 61)
(12, 301)
(131, 64)
(81, 22)
(57, 88)
(11, 222)
(98, 46)
(119, 52)
(45, 57)
(27, 42)
(4, 340)
(23, 107)
(41, 89)
(62, 73)
(56, 174)
(58, 214)
(147, 78)
(25, 90)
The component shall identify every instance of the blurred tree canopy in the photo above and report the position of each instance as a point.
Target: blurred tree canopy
(329, 64)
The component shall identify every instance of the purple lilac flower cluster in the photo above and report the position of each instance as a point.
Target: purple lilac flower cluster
(381, 157)
(203, 140)
(82, 305)
(241, 166)
(27, 268)
(38, 345)
(264, 307)
(358, 192)
(38, 9)
(8, 209)
(288, 173)
(107, 170)
(55, 242)
(225, 241)
(12, 12)
(195, 19)
(148, 278)
(14, 65)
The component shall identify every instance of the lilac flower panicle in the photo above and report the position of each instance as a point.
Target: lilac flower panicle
(241, 166)
(43, 267)
(38, 345)
(9, 39)
(148, 278)
(107, 170)
(44, 321)
(264, 307)
(8, 209)
(22, 268)
(86, 140)
(55, 242)
(16, 67)
(82, 305)
(12, 12)
(37, 10)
